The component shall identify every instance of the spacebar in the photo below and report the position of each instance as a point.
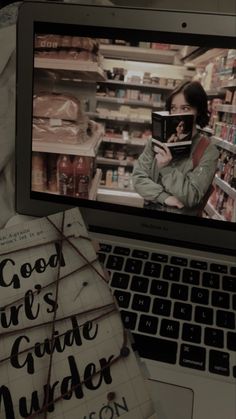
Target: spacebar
(154, 348)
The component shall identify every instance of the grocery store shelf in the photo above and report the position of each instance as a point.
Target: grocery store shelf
(123, 118)
(152, 86)
(88, 148)
(123, 101)
(224, 144)
(83, 70)
(231, 84)
(115, 196)
(225, 187)
(211, 211)
(211, 94)
(114, 162)
(123, 52)
(226, 108)
(120, 140)
(207, 130)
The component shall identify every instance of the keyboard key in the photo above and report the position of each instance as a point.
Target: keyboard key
(214, 337)
(115, 262)
(123, 298)
(233, 270)
(148, 324)
(152, 269)
(220, 299)
(107, 248)
(159, 257)
(129, 319)
(139, 283)
(182, 311)
(101, 257)
(161, 350)
(199, 295)
(204, 315)
(177, 260)
(123, 251)
(193, 357)
(229, 283)
(171, 273)
(231, 341)
(191, 276)
(191, 333)
(159, 288)
(179, 292)
(198, 264)
(161, 307)
(133, 266)
(141, 303)
(120, 280)
(217, 267)
(234, 302)
(169, 329)
(219, 362)
(140, 254)
(211, 280)
(225, 319)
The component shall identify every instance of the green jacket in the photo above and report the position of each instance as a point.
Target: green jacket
(179, 178)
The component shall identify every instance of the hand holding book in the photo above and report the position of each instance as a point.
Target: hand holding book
(163, 155)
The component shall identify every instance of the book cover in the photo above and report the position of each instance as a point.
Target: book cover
(175, 130)
(64, 352)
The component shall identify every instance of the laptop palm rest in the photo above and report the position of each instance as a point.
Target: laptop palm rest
(171, 402)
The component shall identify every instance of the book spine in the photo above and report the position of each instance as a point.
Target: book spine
(164, 130)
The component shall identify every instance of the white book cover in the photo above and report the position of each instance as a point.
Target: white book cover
(64, 353)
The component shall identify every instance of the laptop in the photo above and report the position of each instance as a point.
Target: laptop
(88, 80)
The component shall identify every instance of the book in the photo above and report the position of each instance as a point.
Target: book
(174, 130)
(64, 352)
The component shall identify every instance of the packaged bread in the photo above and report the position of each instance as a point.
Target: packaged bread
(57, 106)
(57, 130)
(47, 41)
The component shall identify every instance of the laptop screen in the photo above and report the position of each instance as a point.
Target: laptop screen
(99, 138)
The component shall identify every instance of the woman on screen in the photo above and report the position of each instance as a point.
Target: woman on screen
(180, 183)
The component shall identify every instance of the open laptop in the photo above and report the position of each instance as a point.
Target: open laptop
(174, 275)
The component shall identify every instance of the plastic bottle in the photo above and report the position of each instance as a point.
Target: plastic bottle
(81, 177)
(65, 175)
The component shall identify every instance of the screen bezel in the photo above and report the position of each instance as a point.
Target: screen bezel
(218, 29)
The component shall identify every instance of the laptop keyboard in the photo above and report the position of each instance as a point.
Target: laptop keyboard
(181, 311)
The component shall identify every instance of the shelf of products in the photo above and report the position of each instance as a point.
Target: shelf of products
(140, 85)
(225, 187)
(107, 99)
(222, 203)
(88, 148)
(120, 117)
(83, 70)
(227, 108)
(224, 144)
(138, 54)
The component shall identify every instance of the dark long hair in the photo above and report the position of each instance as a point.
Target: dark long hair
(196, 97)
